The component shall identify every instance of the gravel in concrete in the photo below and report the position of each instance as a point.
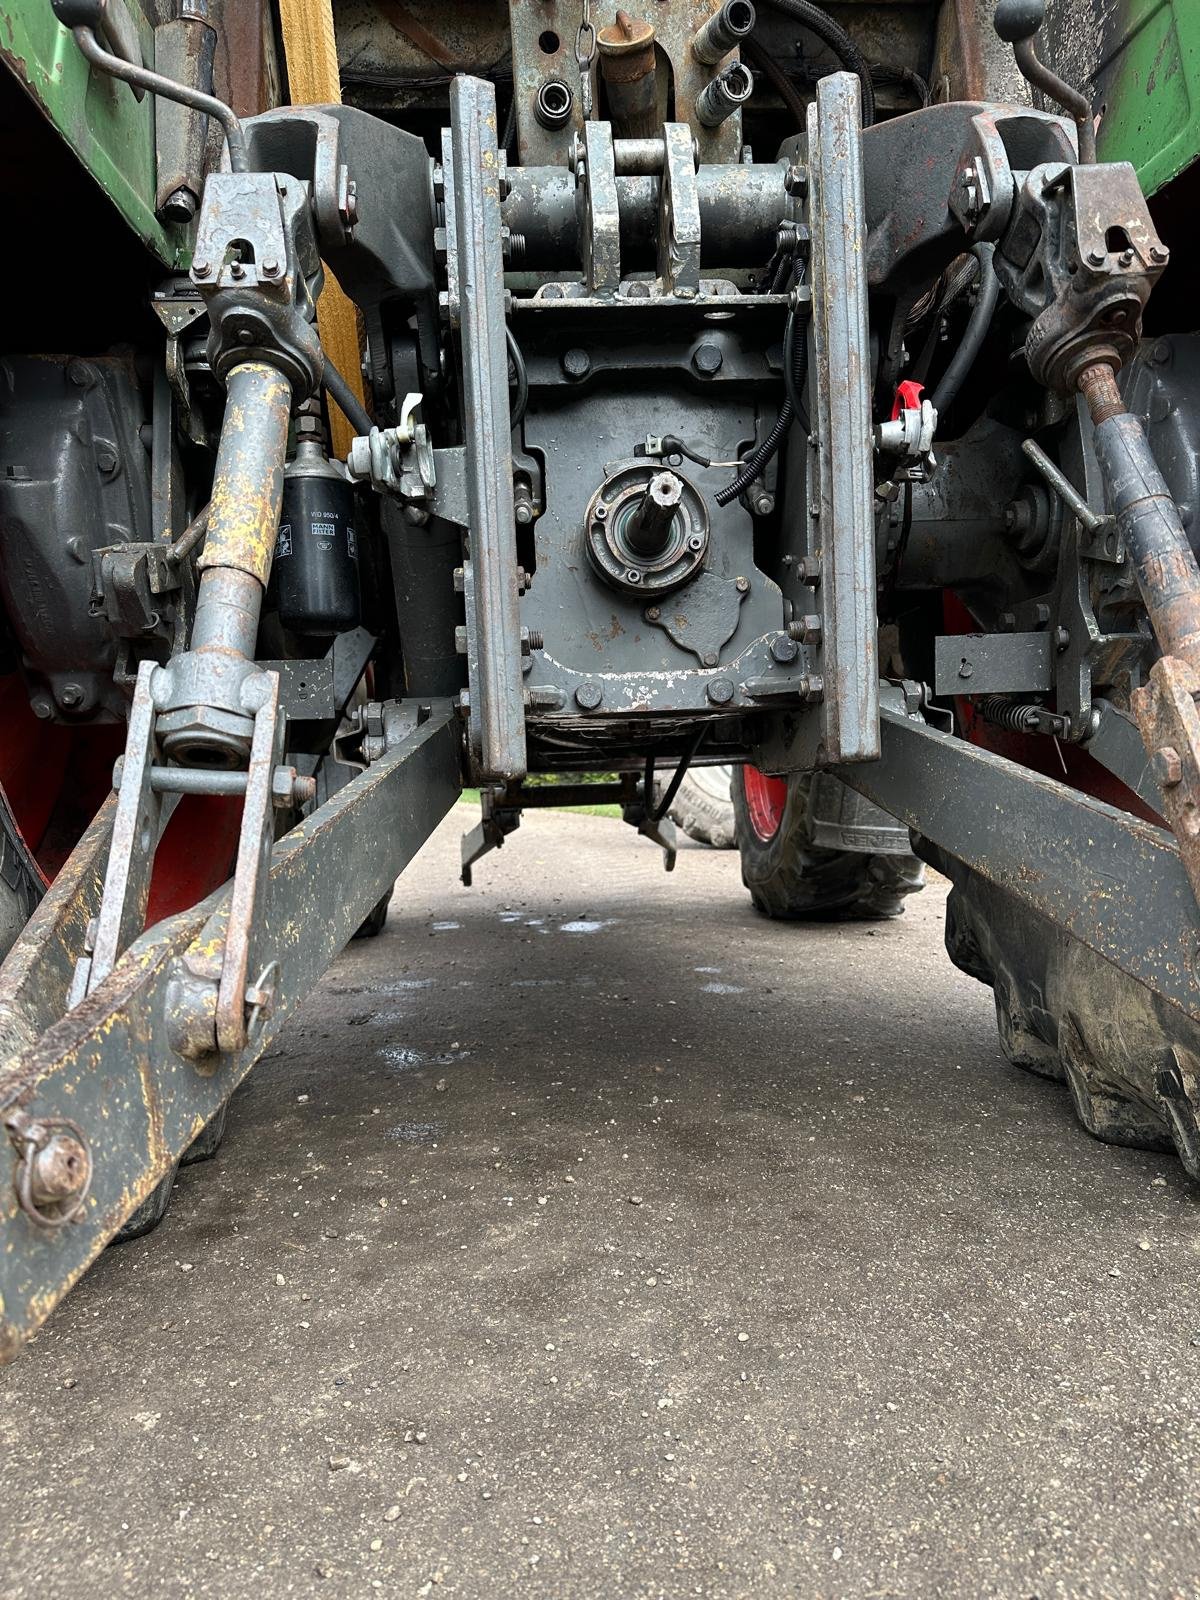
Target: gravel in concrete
(587, 1235)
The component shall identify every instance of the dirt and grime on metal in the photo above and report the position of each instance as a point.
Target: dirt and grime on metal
(587, 1234)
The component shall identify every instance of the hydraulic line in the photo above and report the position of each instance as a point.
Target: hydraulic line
(339, 390)
(974, 334)
(762, 61)
(839, 41)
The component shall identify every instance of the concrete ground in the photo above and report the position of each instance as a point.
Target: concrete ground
(588, 1235)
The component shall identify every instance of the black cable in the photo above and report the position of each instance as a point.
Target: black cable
(794, 370)
(520, 378)
(340, 391)
(839, 41)
(672, 788)
(795, 367)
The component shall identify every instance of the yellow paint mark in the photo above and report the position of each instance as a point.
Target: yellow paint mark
(310, 51)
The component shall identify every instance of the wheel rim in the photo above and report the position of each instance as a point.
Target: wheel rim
(766, 800)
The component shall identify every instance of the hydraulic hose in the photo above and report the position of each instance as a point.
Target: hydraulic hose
(976, 331)
(839, 41)
(763, 62)
(339, 390)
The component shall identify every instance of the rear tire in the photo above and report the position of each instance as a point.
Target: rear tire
(783, 825)
(1130, 1060)
(703, 807)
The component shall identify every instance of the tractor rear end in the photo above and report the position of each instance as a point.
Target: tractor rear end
(633, 395)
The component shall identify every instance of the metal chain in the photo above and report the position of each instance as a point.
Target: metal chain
(585, 55)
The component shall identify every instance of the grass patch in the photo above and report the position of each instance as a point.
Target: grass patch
(471, 796)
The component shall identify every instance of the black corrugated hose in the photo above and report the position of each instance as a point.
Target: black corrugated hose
(839, 41)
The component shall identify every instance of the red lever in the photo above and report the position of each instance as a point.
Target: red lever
(908, 397)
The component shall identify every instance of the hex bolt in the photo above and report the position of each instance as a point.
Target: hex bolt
(1159, 254)
(1096, 258)
(764, 503)
(42, 707)
(707, 359)
(201, 269)
(710, 658)
(784, 649)
(589, 696)
(576, 364)
(795, 181)
(742, 585)
(1168, 768)
(1061, 639)
(270, 269)
(70, 696)
(806, 629)
(653, 613)
(720, 691)
(809, 568)
(648, 530)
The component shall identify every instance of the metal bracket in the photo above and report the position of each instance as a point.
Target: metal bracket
(679, 214)
(493, 615)
(214, 1016)
(597, 208)
(842, 532)
(489, 833)
(136, 829)
(992, 663)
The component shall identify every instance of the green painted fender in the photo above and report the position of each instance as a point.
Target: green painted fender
(110, 132)
(1140, 62)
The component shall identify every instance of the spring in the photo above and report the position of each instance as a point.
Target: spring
(1008, 714)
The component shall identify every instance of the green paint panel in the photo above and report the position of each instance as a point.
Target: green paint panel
(1148, 83)
(111, 133)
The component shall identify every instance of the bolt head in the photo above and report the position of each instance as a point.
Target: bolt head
(589, 696)
(70, 695)
(576, 364)
(742, 585)
(784, 649)
(720, 691)
(707, 359)
(653, 613)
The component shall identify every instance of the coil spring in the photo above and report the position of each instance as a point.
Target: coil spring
(1008, 714)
